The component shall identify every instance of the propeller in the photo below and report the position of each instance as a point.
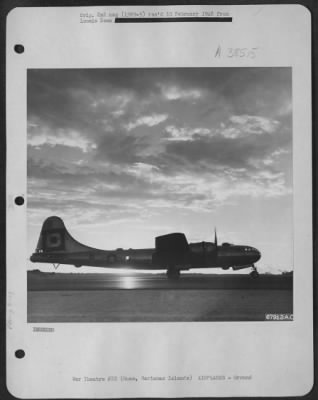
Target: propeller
(216, 243)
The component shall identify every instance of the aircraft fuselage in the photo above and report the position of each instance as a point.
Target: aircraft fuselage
(227, 256)
(172, 252)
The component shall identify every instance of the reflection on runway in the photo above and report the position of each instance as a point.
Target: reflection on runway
(38, 281)
(154, 298)
(128, 282)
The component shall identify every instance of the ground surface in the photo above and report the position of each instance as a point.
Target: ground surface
(144, 297)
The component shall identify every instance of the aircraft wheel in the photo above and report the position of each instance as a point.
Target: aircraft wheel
(173, 274)
(254, 274)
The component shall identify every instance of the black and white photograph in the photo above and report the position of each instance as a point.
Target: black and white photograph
(159, 228)
(160, 194)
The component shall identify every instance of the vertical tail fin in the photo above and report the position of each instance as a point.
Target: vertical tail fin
(52, 236)
(56, 245)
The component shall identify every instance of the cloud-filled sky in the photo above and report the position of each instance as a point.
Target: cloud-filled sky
(124, 155)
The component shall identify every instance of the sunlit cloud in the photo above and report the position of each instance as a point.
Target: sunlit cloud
(39, 136)
(148, 120)
(242, 125)
(182, 133)
(176, 93)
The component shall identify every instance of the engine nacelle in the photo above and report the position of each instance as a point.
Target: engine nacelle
(237, 267)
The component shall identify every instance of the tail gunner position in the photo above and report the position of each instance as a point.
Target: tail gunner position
(172, 252)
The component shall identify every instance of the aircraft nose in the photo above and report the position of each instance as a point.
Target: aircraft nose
(257, 255)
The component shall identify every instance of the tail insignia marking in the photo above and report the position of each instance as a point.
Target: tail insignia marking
(54, 240)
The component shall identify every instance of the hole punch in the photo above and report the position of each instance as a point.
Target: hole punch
(19, 200)
(19, 353)
(19, 48)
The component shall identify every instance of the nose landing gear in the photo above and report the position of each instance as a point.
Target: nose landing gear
(254, 273)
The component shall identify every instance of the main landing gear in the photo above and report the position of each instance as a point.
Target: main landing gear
(173, 273)
(254, 273)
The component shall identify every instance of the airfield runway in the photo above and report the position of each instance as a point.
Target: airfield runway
(153, 298)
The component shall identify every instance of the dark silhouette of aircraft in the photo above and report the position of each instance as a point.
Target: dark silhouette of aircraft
(172, 252)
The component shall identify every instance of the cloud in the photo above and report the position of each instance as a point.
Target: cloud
(272, 158)
(182, 133)
(197, 175)
(207, 153)
(250, 124)
(41, 135)
(176, 93)
(148, 120)
(237, 126)
(121, 149)
(154, 138)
